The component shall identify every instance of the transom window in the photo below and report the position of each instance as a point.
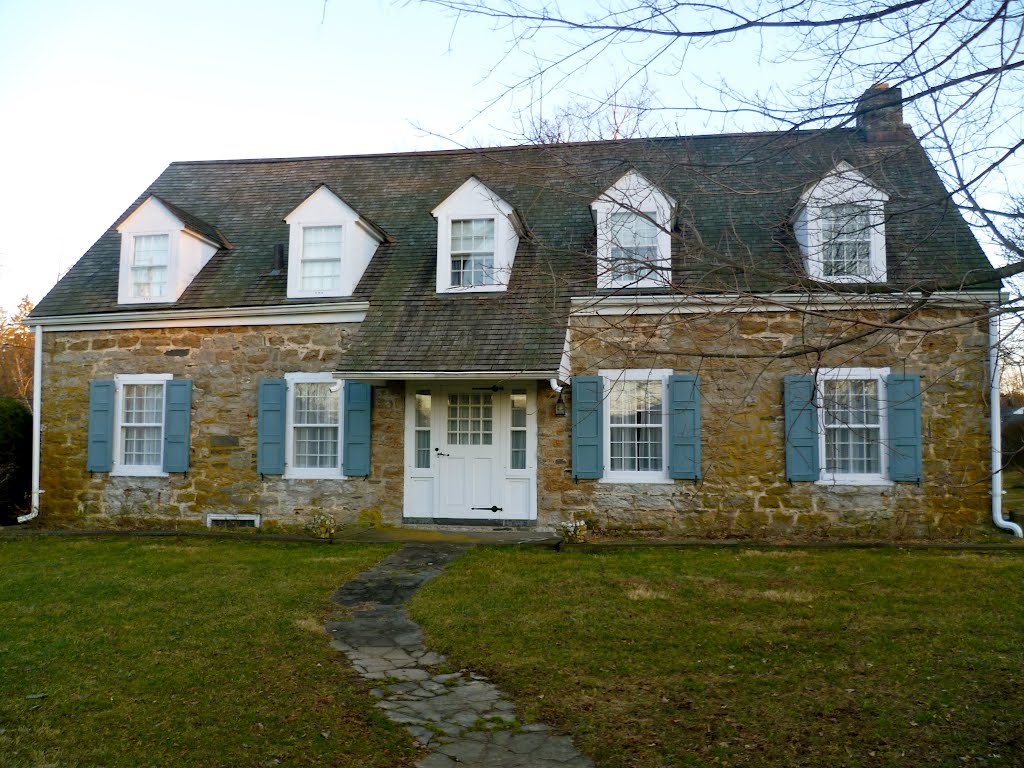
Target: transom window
(846, 241)
(142, 425)
(635, 414)
(150, 258)
(423, 429)
(315, 425)
(321, 259)
(472, 252)
(517, 455)
(470, 418)
(634, 247)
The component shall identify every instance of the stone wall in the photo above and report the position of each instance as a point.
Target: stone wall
(743, 490)
(224, 365)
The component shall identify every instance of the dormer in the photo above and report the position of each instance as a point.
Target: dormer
(162, 249)
(329, 246)
(633, 219)
(477, 238)
(839, 223)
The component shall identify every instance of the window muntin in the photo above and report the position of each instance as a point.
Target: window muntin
(422, 429)
(636, 439)
(142, 425)
(517, 433)
(321, 259)
(472, 253)
(470, 418)
(150, 260)
(634, 247)
(846, 241)
(316, 425)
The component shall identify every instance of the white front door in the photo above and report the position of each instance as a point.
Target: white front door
(470, 452)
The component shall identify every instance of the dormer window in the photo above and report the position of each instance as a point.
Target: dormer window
(162, 249)
(329, 246)
(321, 259)
(633, 219)
(840, 226)
(473, 253)
(151, 255)
(477, 238)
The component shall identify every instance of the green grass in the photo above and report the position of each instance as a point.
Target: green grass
(181, 652)
(715, 656)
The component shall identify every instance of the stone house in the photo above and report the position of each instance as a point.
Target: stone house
(728, 334)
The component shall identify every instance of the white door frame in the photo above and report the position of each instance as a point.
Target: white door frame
(518, 487)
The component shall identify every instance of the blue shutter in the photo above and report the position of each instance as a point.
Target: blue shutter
(356, 451)
(587, 427)
(903, 393)
(684, 428)
(801, 429)
(177, 424)
(100, 455)
(272, 403)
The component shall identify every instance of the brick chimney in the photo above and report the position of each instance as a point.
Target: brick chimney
(880, 113)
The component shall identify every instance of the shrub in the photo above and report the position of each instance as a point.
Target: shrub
(15, 458)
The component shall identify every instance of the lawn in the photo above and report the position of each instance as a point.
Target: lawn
(746, 657)
(181, 652)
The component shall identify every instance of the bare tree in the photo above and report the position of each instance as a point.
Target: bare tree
(16, 350)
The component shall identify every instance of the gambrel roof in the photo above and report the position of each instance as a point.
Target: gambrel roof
(735, 195)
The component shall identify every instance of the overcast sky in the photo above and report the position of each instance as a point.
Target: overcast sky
(97, 97)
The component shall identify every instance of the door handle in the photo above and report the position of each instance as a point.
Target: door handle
(493, 508)
(438, 452)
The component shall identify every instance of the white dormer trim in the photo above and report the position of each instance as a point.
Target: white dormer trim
(633, 194)
(187, 252)
(474, 201)
(844, 185)
(357, 243)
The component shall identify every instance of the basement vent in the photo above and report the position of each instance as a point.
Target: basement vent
(232, 521)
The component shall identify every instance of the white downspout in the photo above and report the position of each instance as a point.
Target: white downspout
(37, 401)
(996, 429)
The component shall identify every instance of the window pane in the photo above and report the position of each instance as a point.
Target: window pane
(845, 233)
(469, 419)
(472, 250)
(315, 404)
(321, 258)
(852, 426)
(315, 418)
(316, 447)
(634, 246)
(142, 419)
(149, 265)
(636, 426)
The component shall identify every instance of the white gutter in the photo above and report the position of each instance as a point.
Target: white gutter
(37, 399)
(996, 429)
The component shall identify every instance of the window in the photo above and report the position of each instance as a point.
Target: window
(422, 428)
(839, 223)
(314, 432)
(150, 259)
(635, 424)
(517, 442)
(634, 247)
(633, 219)
(851, 411)
(846, 241)
(472, 252)
(470, 419)
(321, 259)
(477, 237)
(139, 426)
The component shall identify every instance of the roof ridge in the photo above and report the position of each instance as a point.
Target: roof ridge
(513, 147)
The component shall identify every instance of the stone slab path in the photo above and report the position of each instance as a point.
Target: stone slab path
(462, 717)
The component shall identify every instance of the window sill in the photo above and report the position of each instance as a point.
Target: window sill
(454, 289)
(855, 481)
(314, 474)
(635, 479)
(138, 472)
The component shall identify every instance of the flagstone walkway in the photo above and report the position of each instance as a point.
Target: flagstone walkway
(461, 716)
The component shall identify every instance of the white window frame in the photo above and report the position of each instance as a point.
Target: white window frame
(844, 185)
(473, 200)
(313, 473)
(633, 194)
(610, 377)
(119, 468)
(855, 374)
(163, 297)
(496, 282)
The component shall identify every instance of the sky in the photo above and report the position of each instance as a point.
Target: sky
(98, 97)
